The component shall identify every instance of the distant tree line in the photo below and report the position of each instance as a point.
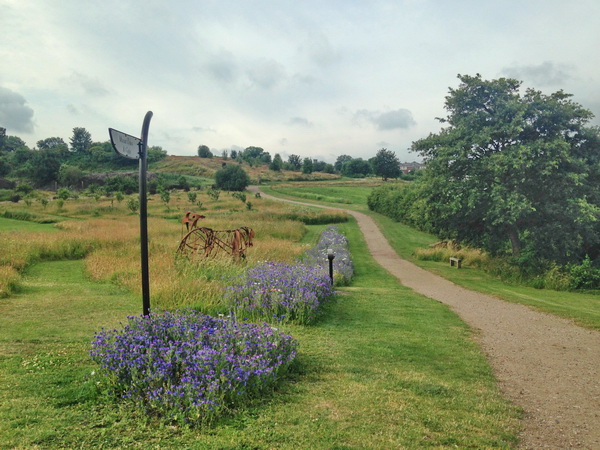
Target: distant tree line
(55, 161)
(384, 164)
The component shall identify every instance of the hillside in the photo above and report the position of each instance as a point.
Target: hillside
(206, 167)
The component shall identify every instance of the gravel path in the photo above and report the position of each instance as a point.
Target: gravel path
(546, 365)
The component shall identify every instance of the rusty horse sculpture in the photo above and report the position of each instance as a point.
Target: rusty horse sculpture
(206, 241)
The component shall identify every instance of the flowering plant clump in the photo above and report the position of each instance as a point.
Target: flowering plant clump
(331, 238)
(280, 292)
(189, 367)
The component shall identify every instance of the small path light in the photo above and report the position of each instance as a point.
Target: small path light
(330, 257)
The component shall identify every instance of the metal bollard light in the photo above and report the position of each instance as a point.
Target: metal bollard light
(330, 257)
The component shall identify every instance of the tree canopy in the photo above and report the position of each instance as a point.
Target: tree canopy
(511, 171)
(386, 164)
(232, 178)
(356, 168)
(81, 141)
(204, 151)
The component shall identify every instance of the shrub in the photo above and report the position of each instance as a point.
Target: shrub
(584, 275)
(133, 204)
(189, 367)
(214, 194)
(232, 178)
(63, 193)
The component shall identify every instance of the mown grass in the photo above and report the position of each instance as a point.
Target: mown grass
(583, 308)
(384, 368)
(341, 193)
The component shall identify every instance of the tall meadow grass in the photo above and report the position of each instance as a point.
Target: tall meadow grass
(444, 251)
(111, 247)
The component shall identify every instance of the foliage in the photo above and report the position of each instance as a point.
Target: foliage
(510, 173)
(204, 152)
(277, 163)
(63, 193)
(70, 175)
(240, 196)
(214, 194)
(307, 165)
(189, 368)
(584, 275)
(133, 204)
(232, 178)
(165, 196)
(81, 141)
(24, 188)
(294, 162)
(386, 164)
(356, 168)
(51, 142)
(340, 160)
(43, 166)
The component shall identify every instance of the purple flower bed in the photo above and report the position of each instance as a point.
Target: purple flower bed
(331, 238)
(280, 292)
(189, 367)
(292, 293)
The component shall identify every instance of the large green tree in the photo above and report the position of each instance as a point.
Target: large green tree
(386, 164)
(513, 170)
(277, 163)
(295, 162)
(81, 141)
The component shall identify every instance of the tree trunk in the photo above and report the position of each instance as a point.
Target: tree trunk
(515, 242)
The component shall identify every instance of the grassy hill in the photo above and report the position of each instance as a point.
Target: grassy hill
(206, 167)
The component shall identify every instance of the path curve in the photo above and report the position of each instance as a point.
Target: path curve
(545, 364)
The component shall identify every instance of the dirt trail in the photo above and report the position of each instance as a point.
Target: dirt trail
(546, 365)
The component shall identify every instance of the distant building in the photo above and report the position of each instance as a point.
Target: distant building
(410, 167)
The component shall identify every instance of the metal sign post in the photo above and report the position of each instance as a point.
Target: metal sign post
(134, 148)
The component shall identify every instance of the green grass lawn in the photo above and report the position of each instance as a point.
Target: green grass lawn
(384, 368)
(341, 196)
(13, 225)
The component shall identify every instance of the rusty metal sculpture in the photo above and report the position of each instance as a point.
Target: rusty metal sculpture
(206, 241)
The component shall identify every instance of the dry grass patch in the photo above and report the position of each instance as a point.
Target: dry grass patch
(443, 251)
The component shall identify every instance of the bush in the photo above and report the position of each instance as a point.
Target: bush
(189, 368)
(133, 204)
(232, 178)
(584, 275)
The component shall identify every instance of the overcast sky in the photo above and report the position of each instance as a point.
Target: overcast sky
(314, 78)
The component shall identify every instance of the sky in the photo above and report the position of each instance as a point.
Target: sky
(315, 78)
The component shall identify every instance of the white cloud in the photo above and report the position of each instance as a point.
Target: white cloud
(239, 73)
